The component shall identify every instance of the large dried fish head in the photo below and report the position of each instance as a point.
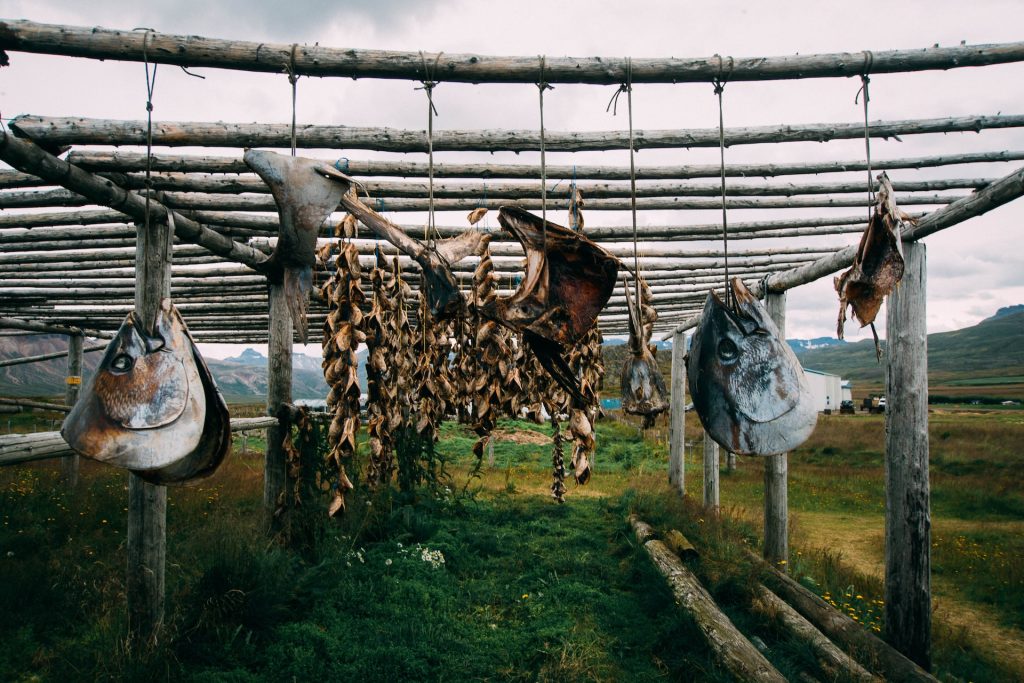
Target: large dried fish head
(306, 192)
(747, 385)
(152, 406)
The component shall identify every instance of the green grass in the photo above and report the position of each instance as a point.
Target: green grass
(976, 381)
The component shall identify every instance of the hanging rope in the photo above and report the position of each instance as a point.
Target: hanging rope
(293, 78)
(865, 80)
(429, 83)
(150, 86)
(543, 85)
(719, 84)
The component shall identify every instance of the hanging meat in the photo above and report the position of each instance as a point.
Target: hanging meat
(381, 371)
(494, 358)
(878, 265)
(643, 388)
(748, 387)
(569, 279)
(152, 406)
(306, 191)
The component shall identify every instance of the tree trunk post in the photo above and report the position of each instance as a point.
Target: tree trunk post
(776, 470)
(908, 606)
(73, 381)
(147, 503)
(279, 390)
(711, 498)
(730, 461)
(677, 416)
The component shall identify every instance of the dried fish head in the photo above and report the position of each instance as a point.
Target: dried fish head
(152, 405)
(748, 387)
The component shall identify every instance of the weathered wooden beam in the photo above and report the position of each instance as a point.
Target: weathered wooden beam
(730, 648)
(29, 403)
(30, 158)
(776, 471)
(32, 326)
(279, 391)
(908, 604)
(1004, 190)
(55, 131)
(49, 356)
(124, 162)
(73, 382)
(711, 484)
(677, 416)
(316, 60)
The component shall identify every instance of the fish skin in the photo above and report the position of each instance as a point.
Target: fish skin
(163, 418)
(752, 397)
(640, 380)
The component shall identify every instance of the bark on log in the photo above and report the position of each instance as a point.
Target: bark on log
(279, 391)
(843, 630)
(680, 545)
(835, 664)
(124, 162)
(908, 603)
(732, 650)
(316, 60)
(60, 131)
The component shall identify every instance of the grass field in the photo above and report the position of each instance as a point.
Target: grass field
(485, 579)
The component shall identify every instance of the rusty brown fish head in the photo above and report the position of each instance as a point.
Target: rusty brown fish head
(152, 406)
(748, 387)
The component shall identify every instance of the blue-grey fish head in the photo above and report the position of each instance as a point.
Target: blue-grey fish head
(748, 387)
(144, 406)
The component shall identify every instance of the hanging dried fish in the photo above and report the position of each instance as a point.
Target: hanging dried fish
(748, 387)
(568, 281)
(878, 265)
(493, 358)
(152, 406)
(643, 388)
(381, 380)
(557, 462)
(342, 336)
(476, 215)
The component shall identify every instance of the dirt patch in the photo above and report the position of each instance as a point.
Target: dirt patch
(523, 436)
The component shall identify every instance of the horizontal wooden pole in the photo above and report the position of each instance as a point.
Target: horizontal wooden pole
(57, 131)
(124, 162)
(28, 403)
(32, 326)
(316, 60)
(46, 356)
(30, 158)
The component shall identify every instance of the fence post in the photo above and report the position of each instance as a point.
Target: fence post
(776, 470)
(73, 383)
(711, 498)
(908, 606)
(147, 503)
(677, 416)
(279, 390)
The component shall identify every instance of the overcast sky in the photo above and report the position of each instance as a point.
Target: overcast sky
(973, 269)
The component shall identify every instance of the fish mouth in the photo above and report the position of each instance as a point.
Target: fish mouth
(741, 308)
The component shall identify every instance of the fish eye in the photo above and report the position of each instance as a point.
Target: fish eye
(727, 349)
(122, 362)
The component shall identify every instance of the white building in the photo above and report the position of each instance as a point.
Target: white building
(828, 390)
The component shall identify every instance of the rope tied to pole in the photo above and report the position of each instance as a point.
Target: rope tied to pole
(865, 80)
(150, 87)
(429, 83)
(719, 84)
(293, 79)
(543, 85)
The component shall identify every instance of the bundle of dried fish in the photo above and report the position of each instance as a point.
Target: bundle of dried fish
(381, 378)
(557, 462)
(430, 345)
(568, 281)
(748, 387)
(152, 405)
(493, 357)
(643, 388)
(342, 336)
(878, 265)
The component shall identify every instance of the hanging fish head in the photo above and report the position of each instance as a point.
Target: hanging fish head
(748, 387)
(151, 405)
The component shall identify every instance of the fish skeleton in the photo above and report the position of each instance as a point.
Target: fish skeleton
(747, 385)
(152, 405)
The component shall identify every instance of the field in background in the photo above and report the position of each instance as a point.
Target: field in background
(528, 590)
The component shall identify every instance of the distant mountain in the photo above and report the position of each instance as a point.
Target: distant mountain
(1005, 311)
(801, 345)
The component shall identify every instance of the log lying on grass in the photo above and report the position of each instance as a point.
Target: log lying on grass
(731, 649)
(834, 662)
(846, 632)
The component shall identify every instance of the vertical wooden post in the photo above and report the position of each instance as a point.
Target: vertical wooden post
(711, 498)
(908, 606)
(776, 470)
(730, 461)
(147, 503)
(73, 382)
(677, 416)
(279, 390)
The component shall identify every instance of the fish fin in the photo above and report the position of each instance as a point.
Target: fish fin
(878, 345)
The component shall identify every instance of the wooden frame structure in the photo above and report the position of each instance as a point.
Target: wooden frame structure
(224, 226)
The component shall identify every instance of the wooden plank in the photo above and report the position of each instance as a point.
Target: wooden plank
(730, 647)
(711, 484)
(279, 391)
(908, 605)
(73, 384)
(317, 60)
(677, 417)
(776, 471)
(57, 131)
